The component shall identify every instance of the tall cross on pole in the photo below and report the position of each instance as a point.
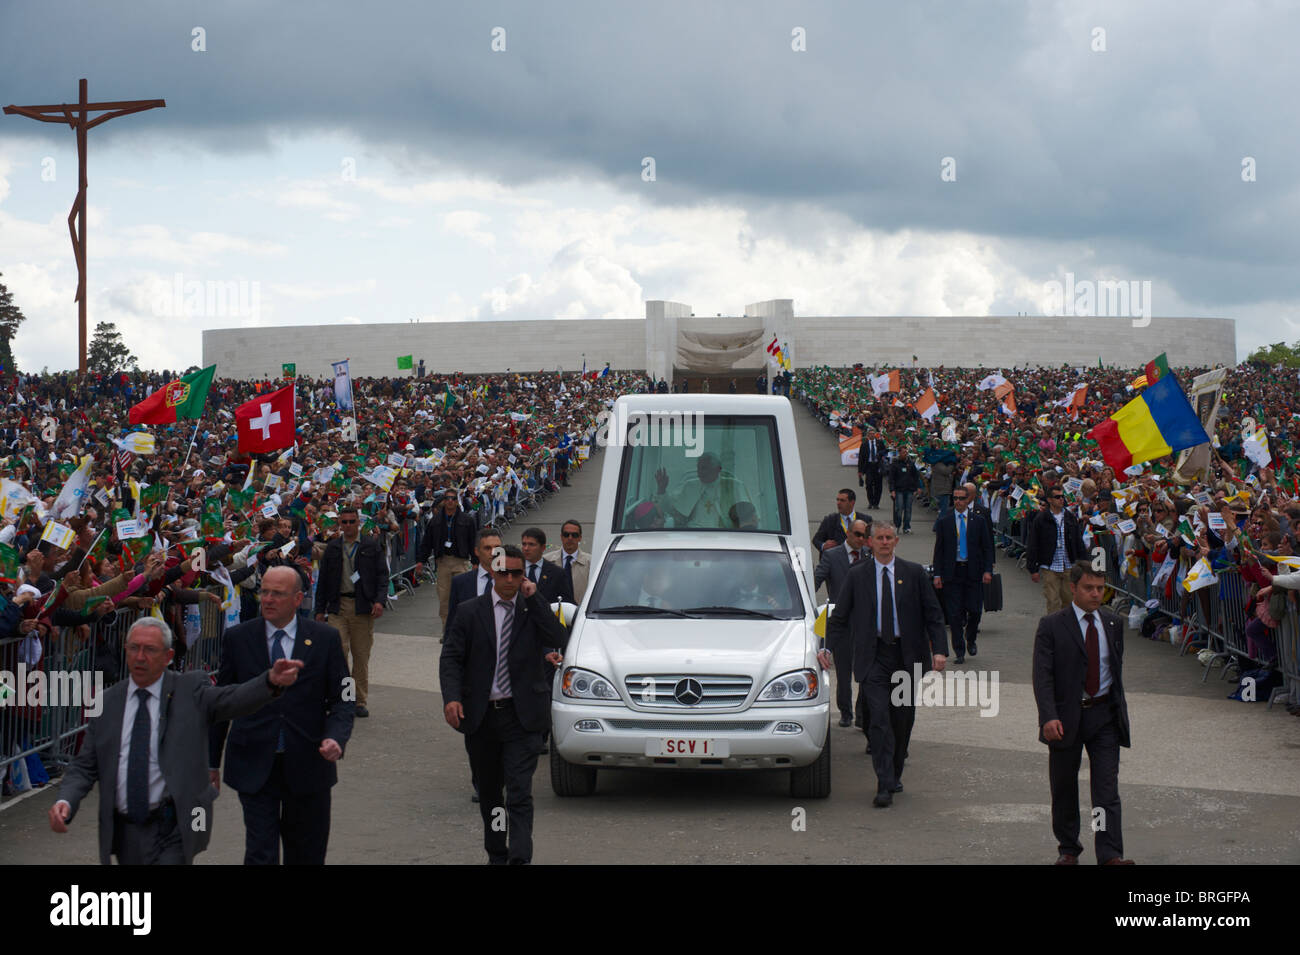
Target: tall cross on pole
(77, 116)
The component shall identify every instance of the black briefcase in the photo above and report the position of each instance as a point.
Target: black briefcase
(993, 594)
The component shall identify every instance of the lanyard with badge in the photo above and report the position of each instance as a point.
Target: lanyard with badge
(352, 560)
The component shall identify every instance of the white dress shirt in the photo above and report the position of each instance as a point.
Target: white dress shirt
(880, 568)
(484, 579)
(157, 786)
(1104, 685)
(499, 615)
(291, 628)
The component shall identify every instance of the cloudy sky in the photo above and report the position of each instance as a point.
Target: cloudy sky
(336, 162)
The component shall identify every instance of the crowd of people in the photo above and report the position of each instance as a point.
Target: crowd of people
(1024, 456)
(479, 445)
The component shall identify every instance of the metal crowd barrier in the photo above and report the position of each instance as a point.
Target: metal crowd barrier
(54, 730)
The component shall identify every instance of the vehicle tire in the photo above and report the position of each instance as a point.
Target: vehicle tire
(814, 780)
(568, 779)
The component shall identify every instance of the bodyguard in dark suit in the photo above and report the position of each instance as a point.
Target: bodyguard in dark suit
(963, 564)
(477, 580)
(889, 611)
(834, 527)
(281, 760)
(155, 804)
(833, 570)
(871, 463)
(1079, 688)
(550, 578)
(497, 693)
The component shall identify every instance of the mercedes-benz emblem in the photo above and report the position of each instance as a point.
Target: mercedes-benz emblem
(688, 692)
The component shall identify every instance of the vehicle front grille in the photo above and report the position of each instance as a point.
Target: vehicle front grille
(673, 689)
(694, 728)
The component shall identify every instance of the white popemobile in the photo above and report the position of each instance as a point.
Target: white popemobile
(694, 645)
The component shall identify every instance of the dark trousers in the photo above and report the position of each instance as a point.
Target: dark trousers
(963, 598)
(156, 842)
(843, 655)
(1099, 733)
(503, 756)
(903, 510)
(874, 484)
(273, 815)
(888, 726)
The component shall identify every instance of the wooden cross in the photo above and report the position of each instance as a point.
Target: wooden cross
(77, 116)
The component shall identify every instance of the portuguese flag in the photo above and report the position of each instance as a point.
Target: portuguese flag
(183, 398)
(1156, 369)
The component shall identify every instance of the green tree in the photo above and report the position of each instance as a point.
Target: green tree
(108, 353)
(11, 317)
(1279, 353)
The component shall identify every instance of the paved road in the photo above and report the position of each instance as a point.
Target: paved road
(1207, 780)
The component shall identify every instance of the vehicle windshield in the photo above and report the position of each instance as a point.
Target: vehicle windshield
(712, 583)
(720, 472)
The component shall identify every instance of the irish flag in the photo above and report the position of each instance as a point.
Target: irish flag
(927, 405)
(849, 447)
(883, 384)
(1157, 423)
(183, 398)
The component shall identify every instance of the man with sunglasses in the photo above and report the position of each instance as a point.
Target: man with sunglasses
(493, 675)
(569, 557)
(833, 570)
(350, 594)
(1055, 542)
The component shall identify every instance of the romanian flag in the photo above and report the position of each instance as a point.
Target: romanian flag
(1156, 369)
(1158, 422)
(927, 405)
(183, 398)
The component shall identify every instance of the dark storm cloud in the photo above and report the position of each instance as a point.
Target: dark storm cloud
(1136, 151)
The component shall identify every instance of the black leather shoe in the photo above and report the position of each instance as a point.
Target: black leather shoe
(958, 659)
(846, 721)
(884, 799)
(857, 721)
(868, 749)
(1066, 859)
(898, 787)
(361, 711)
(970, 648)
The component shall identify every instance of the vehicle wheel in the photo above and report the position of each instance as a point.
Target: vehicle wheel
(814, 780)
(568, 779)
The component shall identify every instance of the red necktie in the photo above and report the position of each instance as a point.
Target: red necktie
(1093, 683)
(855, 556)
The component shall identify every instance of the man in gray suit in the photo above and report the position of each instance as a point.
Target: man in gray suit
(149, 746)
(833, 570)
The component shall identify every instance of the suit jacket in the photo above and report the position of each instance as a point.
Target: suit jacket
(1061, 669)
(920, 618)
(979, 545)
(1042, 541)
(864, 453)
(469, 659)
(313, 709)
(370, 588)
(189, 703)
(581, 569)
(553, 582)
(832, 529)
(463, 587)
(833, 570)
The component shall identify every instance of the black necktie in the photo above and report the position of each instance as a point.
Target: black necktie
(137, 760)
(277, 653)
(532, 573)
(886, 607)
(487, 583)
(1092, 683)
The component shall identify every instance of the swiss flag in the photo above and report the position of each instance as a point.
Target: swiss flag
(266, 422)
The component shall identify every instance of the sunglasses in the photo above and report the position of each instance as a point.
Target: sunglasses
(514, 572)
(570, 533)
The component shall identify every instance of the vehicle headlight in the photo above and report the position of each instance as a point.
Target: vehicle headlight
(585, 685)
(791, 688)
